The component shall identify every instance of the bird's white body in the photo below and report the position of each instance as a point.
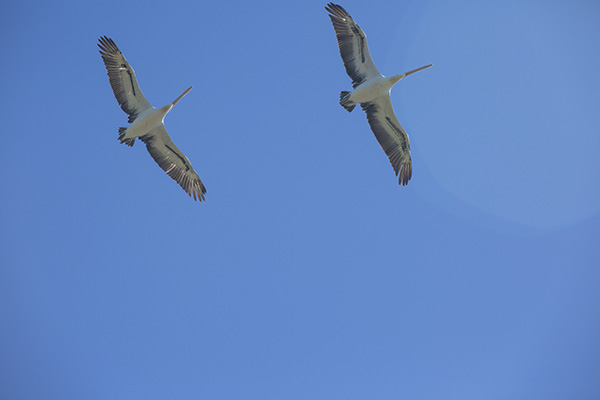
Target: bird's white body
(373, 88)
(147, 121)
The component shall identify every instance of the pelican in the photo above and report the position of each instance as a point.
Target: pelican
(147, 122)
(372, 91)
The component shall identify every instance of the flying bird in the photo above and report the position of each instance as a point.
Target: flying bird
(147, 122)
(372, 91)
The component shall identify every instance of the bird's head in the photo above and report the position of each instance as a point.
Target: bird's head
(181, 97)
(396, 78)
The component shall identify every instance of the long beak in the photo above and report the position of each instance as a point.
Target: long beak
(417, 70)
(181, 97)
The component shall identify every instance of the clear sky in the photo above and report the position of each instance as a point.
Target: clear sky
(308, 273)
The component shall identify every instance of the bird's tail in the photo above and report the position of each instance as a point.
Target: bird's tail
(128, 142)
(344, 102)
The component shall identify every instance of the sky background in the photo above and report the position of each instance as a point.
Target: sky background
(308, 273)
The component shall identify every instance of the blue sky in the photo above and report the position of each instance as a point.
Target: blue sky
(308, 273)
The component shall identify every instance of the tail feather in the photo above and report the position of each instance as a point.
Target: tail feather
(344, 102)
(128, 142)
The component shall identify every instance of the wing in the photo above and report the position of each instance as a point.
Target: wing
(390, 135)
(352, 42)
(122, 79)
(173, 162)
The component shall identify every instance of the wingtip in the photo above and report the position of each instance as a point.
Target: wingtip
(199, 194)
(336, 10)
(107, 45)
(405, 174)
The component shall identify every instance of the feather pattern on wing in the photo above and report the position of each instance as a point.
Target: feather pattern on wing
(173, 162)
(122, 79)
(352, 42)
(390, 135)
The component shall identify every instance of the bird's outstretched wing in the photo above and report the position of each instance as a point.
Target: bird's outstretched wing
(173, 162)
(390, 135)
(352, 42)
(122, 79)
